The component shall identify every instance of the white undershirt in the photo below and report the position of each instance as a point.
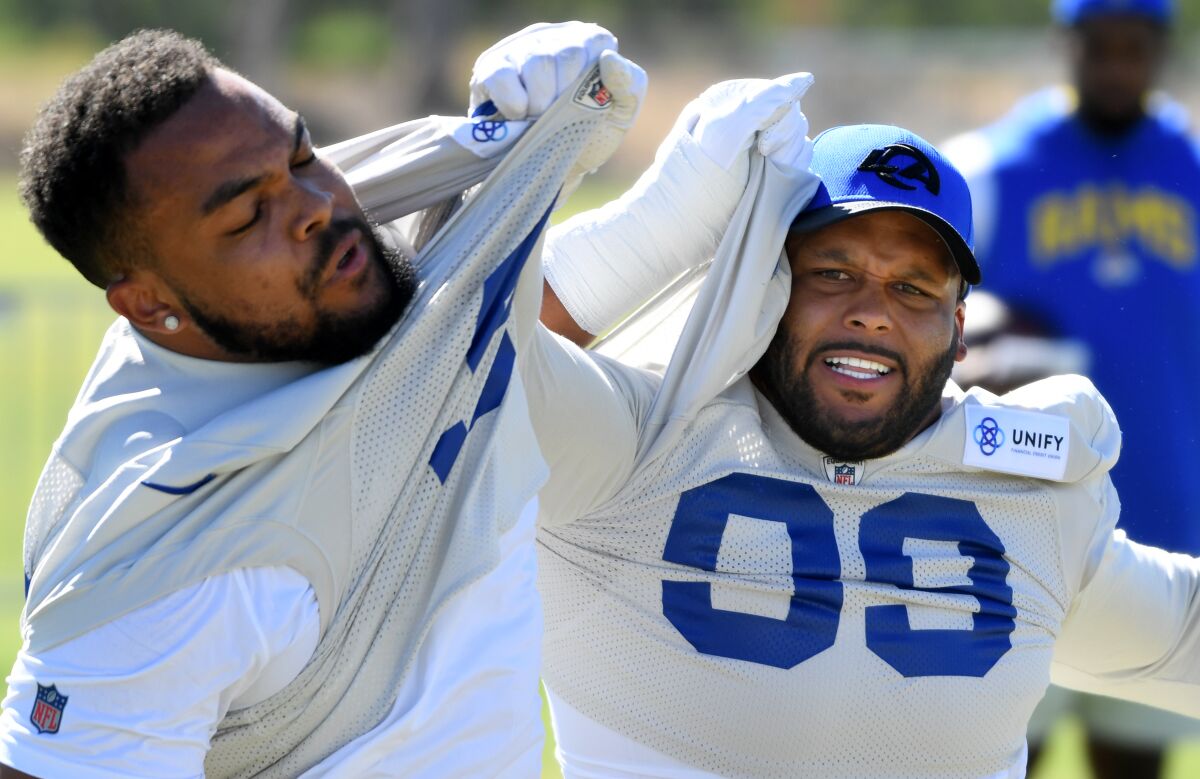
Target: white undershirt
(146, 691)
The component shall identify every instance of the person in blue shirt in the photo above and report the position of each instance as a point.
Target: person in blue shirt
(1087, 207)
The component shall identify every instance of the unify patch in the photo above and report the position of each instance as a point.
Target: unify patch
(1027, 443)
(487, 132)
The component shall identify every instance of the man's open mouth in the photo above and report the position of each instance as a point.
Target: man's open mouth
(857, 367)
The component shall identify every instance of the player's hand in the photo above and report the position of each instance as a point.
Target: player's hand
(626, 85)
(729, 117)
(525, 72)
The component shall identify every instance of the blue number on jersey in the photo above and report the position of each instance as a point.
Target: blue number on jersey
(695, 538)
(881, 537)
(495, 310)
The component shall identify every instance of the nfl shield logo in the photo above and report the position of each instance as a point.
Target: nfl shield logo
(592, 93)
(600, 94)
(48, 709)
(840, 472)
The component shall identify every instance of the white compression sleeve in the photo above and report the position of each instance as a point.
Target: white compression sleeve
(604, 263)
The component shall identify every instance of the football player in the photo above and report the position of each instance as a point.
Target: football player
(287, 529)
(802, 550)
(280, 524)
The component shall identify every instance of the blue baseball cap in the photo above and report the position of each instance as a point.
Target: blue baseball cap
(873, 167)
(1072, 12)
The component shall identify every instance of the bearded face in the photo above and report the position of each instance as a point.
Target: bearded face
(258, 249)
(871, 332)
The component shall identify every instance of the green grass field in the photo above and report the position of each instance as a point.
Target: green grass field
(51, 322)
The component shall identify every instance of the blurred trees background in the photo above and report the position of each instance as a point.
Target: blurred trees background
(938, 67)
(352, 65)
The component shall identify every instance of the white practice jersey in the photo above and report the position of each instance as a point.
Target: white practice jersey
(240, 637)
(723, 600)
(744, 606)
(395, 485)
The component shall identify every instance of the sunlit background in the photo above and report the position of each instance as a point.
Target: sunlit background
(353, 65)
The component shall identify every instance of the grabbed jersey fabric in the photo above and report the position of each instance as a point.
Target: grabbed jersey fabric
(1100, 236)
(238, 637)
(387, 482)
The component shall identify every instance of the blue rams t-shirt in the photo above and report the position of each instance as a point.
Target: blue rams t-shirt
(1099, 235)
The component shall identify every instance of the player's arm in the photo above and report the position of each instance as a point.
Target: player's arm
(602, 264)
(589, 411)
(512, 84)
(521, 76)
(1133, 631)
(143, 694)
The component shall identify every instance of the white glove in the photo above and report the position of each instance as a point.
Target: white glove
(525, 72)
(731, 116)
(626, 85)
(605, 262)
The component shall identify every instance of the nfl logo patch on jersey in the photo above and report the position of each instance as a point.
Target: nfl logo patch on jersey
(844, 473)
(48, 709)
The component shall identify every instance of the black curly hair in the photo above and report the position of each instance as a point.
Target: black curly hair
(72, 165)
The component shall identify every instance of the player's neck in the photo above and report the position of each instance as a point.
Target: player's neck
(1107, 125)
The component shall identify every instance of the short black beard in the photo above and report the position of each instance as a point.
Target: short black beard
(336, 338)
(792, 395)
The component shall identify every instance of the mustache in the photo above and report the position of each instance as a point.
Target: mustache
(856, 346)
(326, 243)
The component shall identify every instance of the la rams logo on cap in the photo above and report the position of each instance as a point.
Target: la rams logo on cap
(898, 161)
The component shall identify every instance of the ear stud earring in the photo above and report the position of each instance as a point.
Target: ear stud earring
(171, 322)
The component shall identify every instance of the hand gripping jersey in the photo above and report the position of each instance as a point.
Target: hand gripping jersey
(1100, 236)
(723, 600)
(386, 482)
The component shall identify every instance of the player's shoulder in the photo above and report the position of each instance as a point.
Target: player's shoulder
(1068, 395)
(1059, 428)
(738, 404)
(1170, 133)
(1169, 115)
(1011, 134)
(633, 378)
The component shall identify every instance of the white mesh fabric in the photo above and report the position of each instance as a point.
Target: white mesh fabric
(57, 488)
(611, 653)
(385, 481)
(418, 540)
